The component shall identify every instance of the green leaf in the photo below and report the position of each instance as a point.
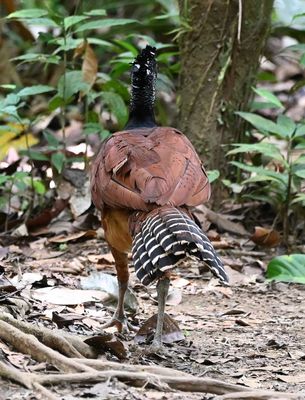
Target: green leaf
(300, 131)
(34, 155)
(98, 12)
(39, 186)
(262, 174)
(43, 58)
(56, 102)
(73, 20)
(259, 122)
(58, 161)
(46, 22)
(235, 187)
(300, 160)
(105, 23)
(4, 178)
(266, 94)
(11, 99)
(286, 127)
(71, 43)
(114, 85)
(260, 105)
(29, 13)
(51, 139)
(91, 128)
(213, 174)
(20, 175)
(287, 268)
(9, 110)
(302, 59)
(117, 106)
(300, 198)
(261, 178)
(8, 86)
(300, 173)
(33, 90)
(70, 84)
(267, 149)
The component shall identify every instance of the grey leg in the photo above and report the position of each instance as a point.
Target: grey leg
(162, 288)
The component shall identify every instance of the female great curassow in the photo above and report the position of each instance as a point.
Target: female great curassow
(143, 180)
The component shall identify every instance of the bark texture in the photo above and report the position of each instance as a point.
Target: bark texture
(219, 55)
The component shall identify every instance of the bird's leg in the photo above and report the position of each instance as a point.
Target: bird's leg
(162, 289)
(119, 318)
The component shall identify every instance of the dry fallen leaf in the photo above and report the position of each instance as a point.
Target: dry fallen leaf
(174, 297)
(65, 296)
(171, 331)
(101, 258)
(222, 221)
(180, 282)
(300, 378)
(109, 284)
(73, 236)
(108, 342)
(90, 66)
(266, 237)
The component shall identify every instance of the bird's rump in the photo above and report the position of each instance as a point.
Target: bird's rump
(140, 171)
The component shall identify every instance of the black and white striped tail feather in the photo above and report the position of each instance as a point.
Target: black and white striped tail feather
(164, 241)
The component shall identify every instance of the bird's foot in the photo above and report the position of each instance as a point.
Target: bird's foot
(121, 323)
(155, 349)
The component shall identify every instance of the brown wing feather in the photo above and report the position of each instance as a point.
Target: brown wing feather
(143, 168)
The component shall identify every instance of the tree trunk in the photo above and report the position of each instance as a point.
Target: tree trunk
(220, 52)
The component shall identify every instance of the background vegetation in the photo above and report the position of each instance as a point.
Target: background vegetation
(64, 87)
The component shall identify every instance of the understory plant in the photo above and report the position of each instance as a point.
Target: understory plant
(273, 166)
(71, 47)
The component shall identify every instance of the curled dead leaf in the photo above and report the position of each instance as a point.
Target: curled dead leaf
(108, 342)
(90, 66)
(266, 237)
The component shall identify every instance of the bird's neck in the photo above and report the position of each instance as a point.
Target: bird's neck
(141, 111)
(141, 117)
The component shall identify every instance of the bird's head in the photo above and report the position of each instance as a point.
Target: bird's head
(144, 68)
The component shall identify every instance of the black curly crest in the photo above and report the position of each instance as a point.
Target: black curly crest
(143, 82)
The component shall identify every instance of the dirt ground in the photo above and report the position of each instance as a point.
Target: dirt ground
(251, 333)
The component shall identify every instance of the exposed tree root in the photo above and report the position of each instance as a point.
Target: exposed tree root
(259, 395)
(69, 345)
(29, 344)
(100, 365)
(20, 335)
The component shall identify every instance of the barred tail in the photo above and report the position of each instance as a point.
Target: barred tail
(166, 237)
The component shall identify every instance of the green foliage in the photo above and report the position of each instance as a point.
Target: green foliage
(19, 184)
(99, 76)
(287, 268)
(213, 175)
(271, 173)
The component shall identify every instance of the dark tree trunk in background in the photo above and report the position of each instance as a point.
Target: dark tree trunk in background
(219, 65)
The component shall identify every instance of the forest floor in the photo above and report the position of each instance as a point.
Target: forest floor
(251, 333)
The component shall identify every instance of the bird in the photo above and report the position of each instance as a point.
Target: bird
(144, 180)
